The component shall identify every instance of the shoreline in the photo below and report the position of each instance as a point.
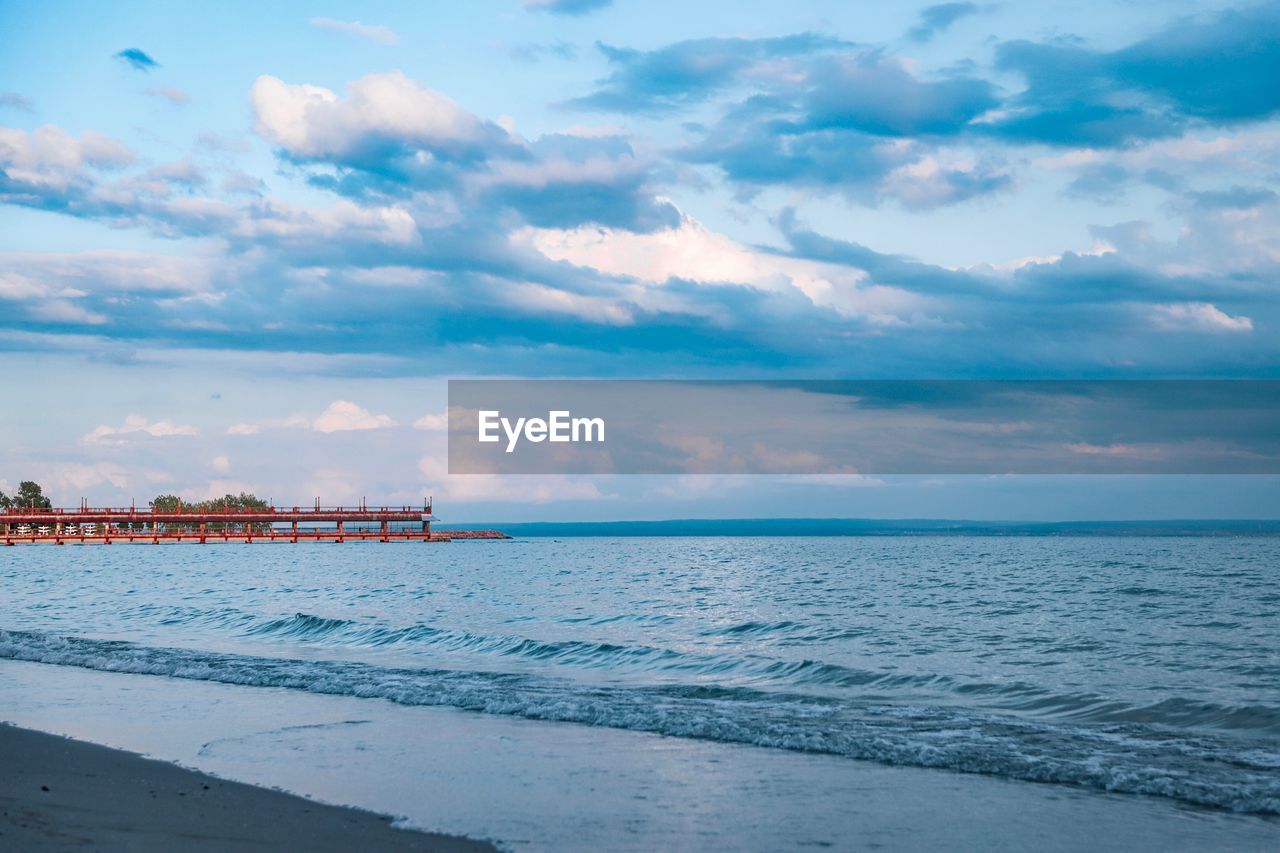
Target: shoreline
(58, 792)
(537, 785)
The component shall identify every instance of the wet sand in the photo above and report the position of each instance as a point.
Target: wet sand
(538, 786)
(62, 794)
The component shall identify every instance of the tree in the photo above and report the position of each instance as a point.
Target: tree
(230, 503)
(162, 503)
(165, 503)
(234, 503)
(29, 496)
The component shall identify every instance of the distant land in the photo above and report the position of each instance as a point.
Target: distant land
(880, 527)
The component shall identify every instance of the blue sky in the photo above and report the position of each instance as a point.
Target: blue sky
(244, 248)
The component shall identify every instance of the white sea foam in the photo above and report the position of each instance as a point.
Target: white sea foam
(1201, 769)
(1143, 665)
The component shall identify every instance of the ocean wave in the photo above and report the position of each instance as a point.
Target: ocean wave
(1131, 756)
(756, 670)
(320, 629)
(753, 629)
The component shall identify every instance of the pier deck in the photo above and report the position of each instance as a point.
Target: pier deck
(106, 525)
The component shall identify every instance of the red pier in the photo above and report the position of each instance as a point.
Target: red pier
(106, 525)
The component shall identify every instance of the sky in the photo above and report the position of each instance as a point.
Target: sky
(244, 247)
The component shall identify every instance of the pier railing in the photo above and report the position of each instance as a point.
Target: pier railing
(228, 514)
(226, 523)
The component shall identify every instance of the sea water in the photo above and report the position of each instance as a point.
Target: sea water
(1140, 665)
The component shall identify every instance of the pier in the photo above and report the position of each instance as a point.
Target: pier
(107, 525)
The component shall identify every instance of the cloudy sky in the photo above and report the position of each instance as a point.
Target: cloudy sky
(244, 248)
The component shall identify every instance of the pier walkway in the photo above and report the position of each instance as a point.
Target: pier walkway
(106, 525)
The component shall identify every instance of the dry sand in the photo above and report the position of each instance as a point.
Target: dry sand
(61, 794)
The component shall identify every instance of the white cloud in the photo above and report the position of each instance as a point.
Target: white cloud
(936, 179)
(221, 464)
(374, 32)
(312, 121)
(69, 477)
(61, 311)
(542, 299)
(110, 271)
(281, 222)
(15, 286)
(432, 423)
(1197, 317)
(49, 303)
(343, 415)
(50, 157)
(133, 426)
(693, 252)
(340, 416)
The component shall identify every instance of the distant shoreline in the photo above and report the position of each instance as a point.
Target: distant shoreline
(776, 527)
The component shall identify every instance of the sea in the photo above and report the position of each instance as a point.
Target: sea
(687, 692)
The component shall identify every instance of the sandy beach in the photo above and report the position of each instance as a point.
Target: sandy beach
(62, 794)
(539, 786)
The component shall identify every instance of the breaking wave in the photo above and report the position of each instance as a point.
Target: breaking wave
(1121, 748)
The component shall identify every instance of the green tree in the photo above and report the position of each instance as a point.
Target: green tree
(234, 503)
(30, 495)
(229, 503)
(162, 503)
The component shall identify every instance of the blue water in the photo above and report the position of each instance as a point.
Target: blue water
(1139, 665)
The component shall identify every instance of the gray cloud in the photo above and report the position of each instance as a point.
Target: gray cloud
(939, 18)
(137, 59)
(556, 180)
(1203, 70)
(691, 71)
(819, 113)
(566, 7)
(420, 260)
(14, 101)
